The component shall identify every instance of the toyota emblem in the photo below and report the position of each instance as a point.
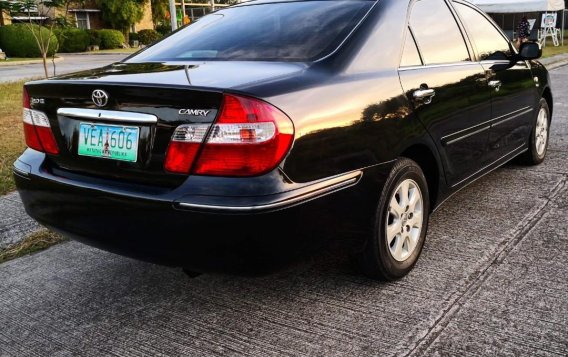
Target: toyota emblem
(100, 97)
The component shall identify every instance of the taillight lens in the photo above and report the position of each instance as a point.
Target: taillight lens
(37, 130)
(251, 137)
(184, 146)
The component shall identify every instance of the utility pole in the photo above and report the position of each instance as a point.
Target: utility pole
(173, 15)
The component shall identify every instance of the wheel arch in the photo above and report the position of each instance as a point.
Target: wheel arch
(547, 95)
(424, 156)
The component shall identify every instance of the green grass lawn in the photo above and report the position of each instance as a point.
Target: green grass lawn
(33, 243)
(11, 132)
(550, 50)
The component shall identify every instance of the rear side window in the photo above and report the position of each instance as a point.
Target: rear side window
(437, 33)
(291, 31)
(488, 40)
(410, 55)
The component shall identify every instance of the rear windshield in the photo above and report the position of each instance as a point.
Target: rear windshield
(290, 31)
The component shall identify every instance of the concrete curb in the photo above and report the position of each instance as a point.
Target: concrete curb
(20, 63)
(556, 65)
(555, 61)
(100, 54)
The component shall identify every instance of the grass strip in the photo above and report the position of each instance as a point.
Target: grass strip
(12, 142)
(33, 243)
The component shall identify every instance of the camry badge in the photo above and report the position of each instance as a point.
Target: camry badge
(100, 97)
(196, 112)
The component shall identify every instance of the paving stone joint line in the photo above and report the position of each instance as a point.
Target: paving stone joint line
(507, 247)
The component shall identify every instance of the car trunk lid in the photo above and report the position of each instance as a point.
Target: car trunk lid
(87, 116)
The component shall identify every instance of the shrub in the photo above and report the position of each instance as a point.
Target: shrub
(164, 29)
(18, 41)
(111, 39)
(94, 37)
(148, 37)
(73, 40)
(133, 36)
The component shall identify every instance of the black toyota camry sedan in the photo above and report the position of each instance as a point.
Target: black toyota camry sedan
(269, 129)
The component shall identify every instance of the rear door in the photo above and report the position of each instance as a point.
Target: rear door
(448, 90)
(512, 87)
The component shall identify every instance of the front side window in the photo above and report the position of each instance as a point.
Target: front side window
(288, 31)
(437, 33)
(488, 40)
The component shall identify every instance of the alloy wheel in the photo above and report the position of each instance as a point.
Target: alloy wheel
(405, 216)
(541, 132)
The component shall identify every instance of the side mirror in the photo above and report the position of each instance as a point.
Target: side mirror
(530, 51)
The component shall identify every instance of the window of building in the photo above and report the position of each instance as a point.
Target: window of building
(82, 19)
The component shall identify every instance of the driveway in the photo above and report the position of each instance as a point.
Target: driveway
(492, 280)
(71, 63)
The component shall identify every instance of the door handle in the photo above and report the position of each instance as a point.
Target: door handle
(424, 95)
(495, 84)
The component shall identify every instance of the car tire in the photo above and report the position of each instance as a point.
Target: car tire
(540, 133)
(400, 226)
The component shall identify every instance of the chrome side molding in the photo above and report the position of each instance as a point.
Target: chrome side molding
(108, 115)
(307, 194)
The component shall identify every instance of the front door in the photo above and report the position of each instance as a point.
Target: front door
(513, 89)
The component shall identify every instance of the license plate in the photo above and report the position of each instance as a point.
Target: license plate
(109, 141)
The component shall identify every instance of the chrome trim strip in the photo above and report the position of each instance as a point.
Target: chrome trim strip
(333, 185)
(526, 111)
(454, 64)
(511, 113)
(466, 135)
(495, 62)
(491, 123)
(108, 115)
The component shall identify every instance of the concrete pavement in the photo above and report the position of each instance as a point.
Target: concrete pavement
(15, 224)
(491, 281)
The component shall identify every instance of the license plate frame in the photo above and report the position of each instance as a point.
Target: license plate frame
(113, 147)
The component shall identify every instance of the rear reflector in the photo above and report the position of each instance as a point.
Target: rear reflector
(250, 138)
(37, 129)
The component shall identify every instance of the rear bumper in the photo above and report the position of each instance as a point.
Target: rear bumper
(198, 231)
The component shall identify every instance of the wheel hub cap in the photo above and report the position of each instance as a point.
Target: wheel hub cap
(541, 132)
(404, 220)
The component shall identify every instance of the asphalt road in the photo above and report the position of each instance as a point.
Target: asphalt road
(492, 281)
(71, 63)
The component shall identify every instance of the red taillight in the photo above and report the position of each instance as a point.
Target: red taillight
(27, 102)
(251, 137)
(184, 146)
(37, 130)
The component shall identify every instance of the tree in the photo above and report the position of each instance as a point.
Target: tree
(159, 10)
(122, 14)
(45, 9)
